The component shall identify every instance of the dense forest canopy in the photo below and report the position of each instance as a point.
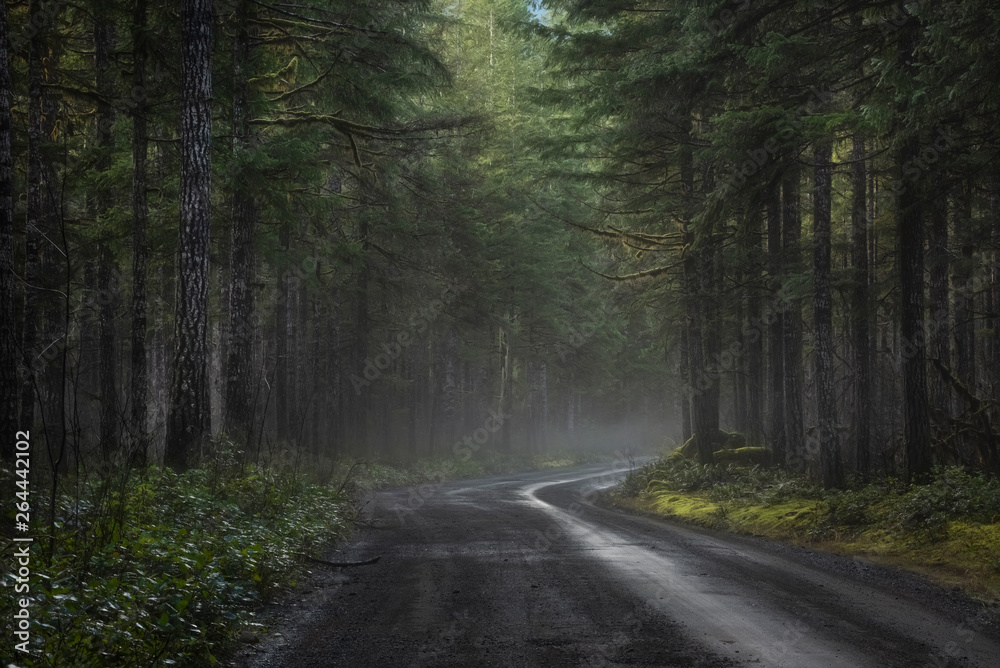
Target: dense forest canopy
(407, 229)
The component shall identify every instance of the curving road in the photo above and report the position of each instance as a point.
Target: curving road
(524, 570)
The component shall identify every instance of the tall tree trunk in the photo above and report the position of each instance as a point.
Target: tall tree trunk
(749, 368)
(940, 331)
(965, 293)
(54, 264)
(140, 221)
(755, 344)
(994, 273)
(335, 438)
(33, 227)
(293, 358)
(301, 361)
(361, 326)
(318, 380)
(8, 332)
(826, 407)
(413, 364)
(530, 408)
(741, 411)
(188, 421)
(911, 279)
(107, 285)
(449, 394)
(685, 398)
(700, 415)
(791, 232)
(571, 419)
(910, 239)
(776, 331)
(107, 271)
(701, 423)
(543, 379)
(285, 287)
(861, 313)
(434, 392)
(506, 389)
(240, 395)
(711, 313)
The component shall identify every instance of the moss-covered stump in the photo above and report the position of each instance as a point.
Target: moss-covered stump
(747, 456)
(724, 441)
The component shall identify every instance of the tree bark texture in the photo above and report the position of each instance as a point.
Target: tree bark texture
(8, 291)
(107, 270)
(776, 332)
(188, 421)
(826, 401)
(910, 240)
(791, 224)
(140, 223)
(861, 312)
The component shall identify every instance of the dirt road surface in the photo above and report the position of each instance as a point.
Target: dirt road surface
(525, 570)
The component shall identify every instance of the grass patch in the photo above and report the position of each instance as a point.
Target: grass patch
(947, 527)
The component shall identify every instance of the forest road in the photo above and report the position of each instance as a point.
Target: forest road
(524, 570)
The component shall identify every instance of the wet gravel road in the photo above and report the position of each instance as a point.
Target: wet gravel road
(524, 570)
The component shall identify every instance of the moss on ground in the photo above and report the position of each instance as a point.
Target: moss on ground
(946, 529)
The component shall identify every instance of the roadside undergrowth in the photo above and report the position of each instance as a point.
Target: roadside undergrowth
(151, 567)
(145, 566)
(947, 527)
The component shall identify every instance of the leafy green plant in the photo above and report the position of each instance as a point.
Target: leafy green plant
(159, 568)
(725, 482)
(921, 512)
(951, 493)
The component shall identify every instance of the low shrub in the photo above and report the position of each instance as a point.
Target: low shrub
(951, 493)
(921, 511)
(159, 568)
(724, 482)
